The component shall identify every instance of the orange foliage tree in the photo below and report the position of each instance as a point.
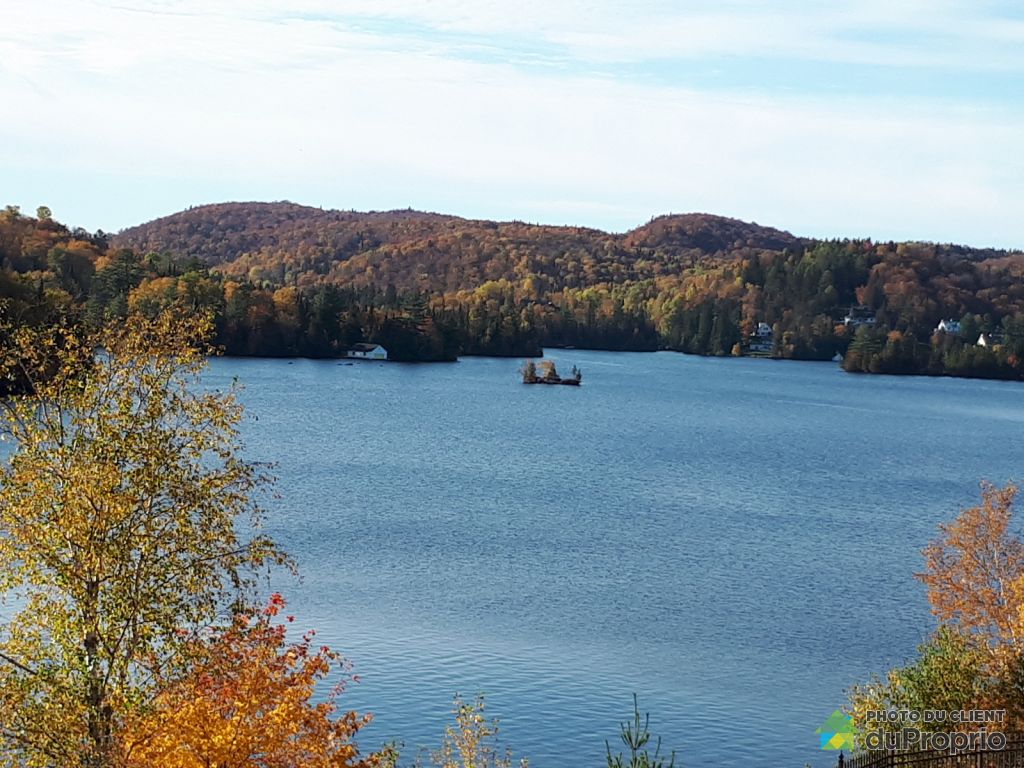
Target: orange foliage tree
(974, 570)
(245, 700)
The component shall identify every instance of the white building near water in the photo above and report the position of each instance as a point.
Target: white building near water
(858, 316)
(367, 352)
(761, 339)
(993, 339)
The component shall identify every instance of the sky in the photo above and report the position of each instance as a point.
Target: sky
(891, 119)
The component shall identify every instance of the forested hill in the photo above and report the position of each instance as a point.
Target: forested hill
(285, 279)
(288, 244)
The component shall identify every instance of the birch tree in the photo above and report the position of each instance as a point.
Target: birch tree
(119, 540)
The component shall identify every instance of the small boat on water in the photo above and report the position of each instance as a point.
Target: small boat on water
(548, 374)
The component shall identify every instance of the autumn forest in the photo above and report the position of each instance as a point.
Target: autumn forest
(288, 280)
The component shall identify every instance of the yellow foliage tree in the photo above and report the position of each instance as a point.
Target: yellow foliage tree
(117, 527)
(472, 741)
(151, 297)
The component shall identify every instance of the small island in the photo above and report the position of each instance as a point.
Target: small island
(549, 374)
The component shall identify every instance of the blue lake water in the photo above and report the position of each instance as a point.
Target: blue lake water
(733, 540)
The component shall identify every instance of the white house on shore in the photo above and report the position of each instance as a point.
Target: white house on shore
(993, 339)
(761, 339)
(858, 316)
(367, 352)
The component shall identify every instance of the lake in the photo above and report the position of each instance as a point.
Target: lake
(732, 540)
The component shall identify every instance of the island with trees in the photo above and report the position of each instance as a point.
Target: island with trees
(548, 374)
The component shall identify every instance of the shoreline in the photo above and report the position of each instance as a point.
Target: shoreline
(917, 374)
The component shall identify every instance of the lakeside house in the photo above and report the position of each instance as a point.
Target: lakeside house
(952, 327)
(990, 339)
(762, 339)
(367, 352)
(858, 316)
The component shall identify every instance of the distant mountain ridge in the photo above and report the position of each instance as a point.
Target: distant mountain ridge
(288, 243)
(709, 233)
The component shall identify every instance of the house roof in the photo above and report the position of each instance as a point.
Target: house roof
(366, 347)
(861, 311)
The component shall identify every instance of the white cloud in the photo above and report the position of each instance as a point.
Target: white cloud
(292, 96)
